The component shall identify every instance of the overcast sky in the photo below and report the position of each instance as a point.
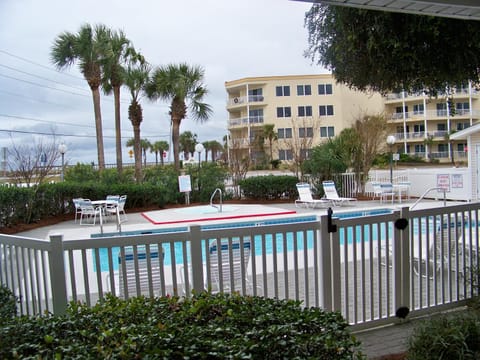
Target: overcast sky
(229, 39)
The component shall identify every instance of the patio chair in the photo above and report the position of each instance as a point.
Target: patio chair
(306, 199)
(229, 263)
(331, 194)
(89, 211)
(147, 281)
(384, 190)
(447, 251)
(78, 209)
(118, 207)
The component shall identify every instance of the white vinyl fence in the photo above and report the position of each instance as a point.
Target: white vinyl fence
(365, 264)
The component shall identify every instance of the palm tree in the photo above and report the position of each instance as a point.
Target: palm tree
(118, 51)
(159, 147)
(87, 49)
(136, 76)
(181, 85)
(187, 141)
(145, 145)
(215, 147)
(270, 134)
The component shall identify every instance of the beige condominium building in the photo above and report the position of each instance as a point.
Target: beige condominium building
(422, 124)
(301, 111)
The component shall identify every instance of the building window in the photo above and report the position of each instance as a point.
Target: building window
(285, 133)
(305, 153)
(305, 132)
(304, 90)
(285, 155)
(255, 116)
(283, 90)
(285, 111)
(327, 131)
(255, 95)
(304, 111)
(418, 109)
(462, 108)
(326, 110)
(325, 89)
(462, 147)
(441, 109)
(461, 126)
(420, 148)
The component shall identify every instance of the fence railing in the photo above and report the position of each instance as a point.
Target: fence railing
(364, 263)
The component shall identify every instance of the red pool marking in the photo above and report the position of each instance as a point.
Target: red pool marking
(287, 212)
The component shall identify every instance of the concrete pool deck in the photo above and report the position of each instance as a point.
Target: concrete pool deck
(174, 217)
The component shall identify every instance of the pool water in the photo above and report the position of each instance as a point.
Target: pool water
(301, 243)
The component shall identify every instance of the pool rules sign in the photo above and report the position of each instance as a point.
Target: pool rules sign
(185, 186)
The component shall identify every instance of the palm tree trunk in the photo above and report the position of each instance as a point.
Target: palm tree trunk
(98, 127)
(176, 145)
(118, 130)
(137, 153)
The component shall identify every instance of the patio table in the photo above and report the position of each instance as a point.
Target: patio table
(102, 204)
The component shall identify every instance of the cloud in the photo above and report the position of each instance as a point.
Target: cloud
(230, 40)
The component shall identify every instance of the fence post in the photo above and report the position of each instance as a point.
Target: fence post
(196, 256)
(57, 275)
(325, 266)
(406, 291)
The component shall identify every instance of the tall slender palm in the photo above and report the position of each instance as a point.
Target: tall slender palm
(87, 49)
(215, 147)
(181, 85)
(118, 50)
(136, 76)
(270, 134)
(187, 141)
(145, 145)
(159, 147)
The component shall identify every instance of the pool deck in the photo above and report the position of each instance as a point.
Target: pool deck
(377, 343)
(166, 218)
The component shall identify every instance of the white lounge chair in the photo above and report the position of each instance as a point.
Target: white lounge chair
(331, 194)
(148, 279)
(306, 199)
(78, 208)
(118, 208)
(229, 263)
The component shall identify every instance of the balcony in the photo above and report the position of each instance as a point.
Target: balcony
(431, 115)
(245, 121)
(242, 100)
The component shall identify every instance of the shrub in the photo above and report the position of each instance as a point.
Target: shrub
(8, 305)
(452, 336)
(206, 326)
(269, 187)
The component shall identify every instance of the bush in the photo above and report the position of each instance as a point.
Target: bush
(8, 305)
(452, 336)
(269, 187)
(205, 326)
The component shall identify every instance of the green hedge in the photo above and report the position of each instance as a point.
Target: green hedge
(450, 336)
(206, 326)
(269, 187)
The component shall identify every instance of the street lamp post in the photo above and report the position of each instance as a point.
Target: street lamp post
(62, 148)
(390, 142)
(199, 149)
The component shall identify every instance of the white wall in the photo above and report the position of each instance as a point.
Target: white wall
(457, 181)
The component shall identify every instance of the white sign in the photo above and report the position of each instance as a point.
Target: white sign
(184, 183)
(443, 182)
(396, 156)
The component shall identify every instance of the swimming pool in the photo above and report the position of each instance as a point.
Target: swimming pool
(289, 241)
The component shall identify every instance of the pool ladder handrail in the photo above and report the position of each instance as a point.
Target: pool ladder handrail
(219, 207)
(427, 191)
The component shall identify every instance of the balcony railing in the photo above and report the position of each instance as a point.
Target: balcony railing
(245, 121)
(432, 114)
(239, 100)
